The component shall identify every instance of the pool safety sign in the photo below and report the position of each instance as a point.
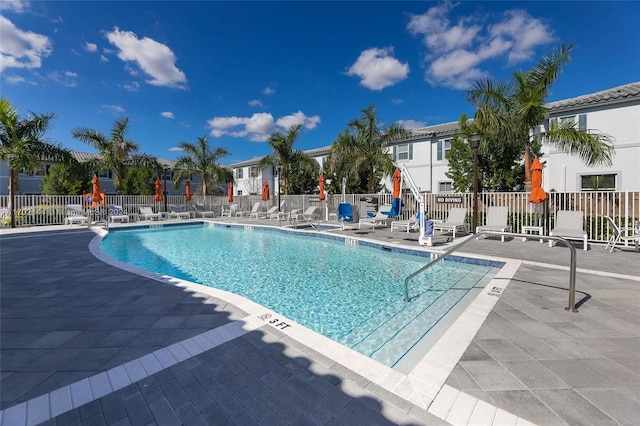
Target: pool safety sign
(495, 291)
(275, 322)
(449, 200)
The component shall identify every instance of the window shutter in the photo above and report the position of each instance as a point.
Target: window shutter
(394, 156)
(410, 151)
(582, 122)
(439, 155)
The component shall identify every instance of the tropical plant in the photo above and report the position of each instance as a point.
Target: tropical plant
(499, 165)
(68, 179)
(362, 150)
(288, 160)
(139, 181)
(23, 147)
(512, 111)
(199, 159)
(116, 152)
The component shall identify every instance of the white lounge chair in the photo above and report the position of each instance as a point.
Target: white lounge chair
(569, 225)
(308, 214)
(147, 213)
(456, 221)
(117, 214)
(254, 209)
(75, 214)
(411, 224)
(265, 215)
(229, 210)
(497, 217)
(201, 212)
(626, 234)
(177, 212)
(380, 219)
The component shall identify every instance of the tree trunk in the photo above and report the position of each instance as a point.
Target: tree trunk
(527, 168)
(13, 187)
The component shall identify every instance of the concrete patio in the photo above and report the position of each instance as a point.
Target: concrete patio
(66, 316)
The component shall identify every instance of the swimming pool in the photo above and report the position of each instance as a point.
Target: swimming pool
(351, 293)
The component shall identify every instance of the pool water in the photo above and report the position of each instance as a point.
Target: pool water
(353, 294)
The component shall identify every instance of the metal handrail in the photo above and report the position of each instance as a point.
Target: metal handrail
(572, 266)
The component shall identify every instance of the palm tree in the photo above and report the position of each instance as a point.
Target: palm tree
(23, 147)
(363, 148)
(116, 152)
(201, 160)
(285, 157)
(510, 111)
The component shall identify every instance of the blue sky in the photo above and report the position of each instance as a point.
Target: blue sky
(237, 71)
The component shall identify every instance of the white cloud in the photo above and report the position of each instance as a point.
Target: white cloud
(456, 51)
(396, 101)
(90, 47)
(288, 121)
(175, 148)
(103, 58)
(14, 5)
(21, 49)
(259, 126)
(114, 108)
(269, 91)
(14, 79)
(167, 114)
(67, 78)
(132, 86)
(255, 102)
(411, 124)
(377, 68)
(153, 58)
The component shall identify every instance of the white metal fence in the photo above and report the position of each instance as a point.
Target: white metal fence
(623, 207)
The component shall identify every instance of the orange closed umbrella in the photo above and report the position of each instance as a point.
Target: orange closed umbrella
(158, 196)
(537, 193)
(188, 191)
(322, 196)
(96, 197)
(265, 191)
(230, 192)
(396, 183)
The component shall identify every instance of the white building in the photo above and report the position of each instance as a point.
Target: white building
(615, 112)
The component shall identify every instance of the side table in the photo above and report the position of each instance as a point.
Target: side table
(531, 229)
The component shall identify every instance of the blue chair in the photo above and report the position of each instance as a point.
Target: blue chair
(396, 208)
(345, 212)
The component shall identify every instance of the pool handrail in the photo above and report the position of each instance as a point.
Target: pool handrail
(572, 266)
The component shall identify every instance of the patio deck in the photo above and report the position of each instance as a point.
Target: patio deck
(71, 325)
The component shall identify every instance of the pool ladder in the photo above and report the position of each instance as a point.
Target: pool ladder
(572, 266)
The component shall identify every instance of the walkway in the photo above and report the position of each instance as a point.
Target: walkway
(84, 342)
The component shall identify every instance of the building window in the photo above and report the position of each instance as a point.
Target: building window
(445, 187)
(104, 175)
(444, 146)
(598, 182)
(571, 119)
(403, 152)
(239, 191)
(253, 171)
(239, 173)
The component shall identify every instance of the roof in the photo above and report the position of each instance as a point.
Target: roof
(83, 157)
(613, 95)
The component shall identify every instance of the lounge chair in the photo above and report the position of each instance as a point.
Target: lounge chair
(309, 214)
(497, 217)
(75, 214)
(456, 221)
(265, 215)
(201, 212)
(411, 224)
(380, 219)
(177, 212)
(285, 215)
(254, 209)
(346, 214)
(117, 214)
(626, 234)
(396, 208)
(569, 225)
(229, 210)
(147, 213)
